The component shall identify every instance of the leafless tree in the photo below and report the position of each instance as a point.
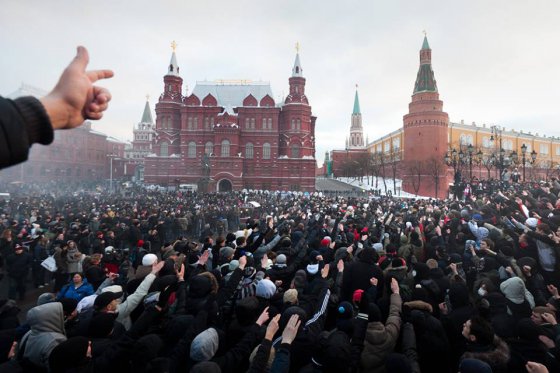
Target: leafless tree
(436, 169)
(415, 169)
(394, 159)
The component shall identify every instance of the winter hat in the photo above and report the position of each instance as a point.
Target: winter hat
(117, 289)
(104, 299)
(206, 367)
(289, 312)
(102, 324)
(345, 310)
(531, 223)
(149, 259)
(281, 259)
(398, 263)
(205, 345)
(477, 218)
(357, 295)
(325, 242)
(514, 289)
(140, 243)
(378, 246)
(68, 305)
(527, 261)
(474, 366)
(403, 239)
(265, 289)
(290, 297)
(69, 354)
(233, 265)
(226, 252)
(200, 286)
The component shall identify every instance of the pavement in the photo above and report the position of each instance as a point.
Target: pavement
(30, 299)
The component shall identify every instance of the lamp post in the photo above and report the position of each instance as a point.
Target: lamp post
(111, 156)
(470, 151)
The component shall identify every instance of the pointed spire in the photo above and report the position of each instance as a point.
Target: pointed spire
(356, 103)
(173, 68)
(147, 115)
(425, 80)
(425, 44)
(297, 70)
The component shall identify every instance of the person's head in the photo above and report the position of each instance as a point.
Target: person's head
(478, 330)
(71, 245)
(107, 302)
(77, 278)
(487, 244)
(543, 228)
(18, 249)
(70, 355)
(537, 314)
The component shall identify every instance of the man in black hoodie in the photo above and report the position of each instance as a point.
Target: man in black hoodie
(358, 273)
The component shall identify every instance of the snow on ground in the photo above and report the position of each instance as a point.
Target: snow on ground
(377, 183)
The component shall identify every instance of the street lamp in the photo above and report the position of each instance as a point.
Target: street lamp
(111, 156)
(533, 159)
(470, 151)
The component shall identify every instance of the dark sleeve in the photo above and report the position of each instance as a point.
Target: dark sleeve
(23, 122)
(261, 358)
(225, 293)
(181, 297)
(357, 342)
(180, 353)
(231, 360)
(281, 363)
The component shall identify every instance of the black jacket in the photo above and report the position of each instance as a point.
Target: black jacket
(23, 122)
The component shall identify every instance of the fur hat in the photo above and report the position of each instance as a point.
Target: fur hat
(281, 259)
(290, 297)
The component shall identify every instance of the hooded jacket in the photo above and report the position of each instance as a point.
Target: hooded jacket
(381, 339)
(47, 331)
(358, 273)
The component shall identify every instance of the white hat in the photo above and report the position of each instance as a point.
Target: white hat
(531, 223)
(313, 268)
(109, 249)
(149, 259)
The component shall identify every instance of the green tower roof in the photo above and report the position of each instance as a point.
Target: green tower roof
(147, 115)
(425, 80)
(356, 104)
(425, 44)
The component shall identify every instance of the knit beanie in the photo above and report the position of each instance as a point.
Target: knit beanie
(265, 289)
(205, 345)
(514, 289)
(281, 259)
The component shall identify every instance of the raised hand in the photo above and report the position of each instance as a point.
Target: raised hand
(291, 329)
(340, 265)
(75, 98)
(272, 328)
(263, 317)
(156, 267)
(394, 286)
(325, 271)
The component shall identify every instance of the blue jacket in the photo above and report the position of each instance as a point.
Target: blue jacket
(69, 291)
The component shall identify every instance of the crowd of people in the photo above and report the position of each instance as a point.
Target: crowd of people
(258, 281)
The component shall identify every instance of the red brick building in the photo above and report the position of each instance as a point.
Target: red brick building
(232, 135)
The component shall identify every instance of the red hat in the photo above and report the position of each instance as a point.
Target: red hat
(140, 243)
(357, 296)
(325, 242)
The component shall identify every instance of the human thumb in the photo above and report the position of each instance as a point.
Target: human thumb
(82, 59)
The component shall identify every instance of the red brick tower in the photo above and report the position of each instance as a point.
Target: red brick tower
(425, 134)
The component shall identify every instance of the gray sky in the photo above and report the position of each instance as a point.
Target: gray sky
(496, 62)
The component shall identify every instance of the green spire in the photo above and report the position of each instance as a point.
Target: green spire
(147, 115)
(425, 44)
(356, 104)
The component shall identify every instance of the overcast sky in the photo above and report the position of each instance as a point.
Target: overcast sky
(496, 62)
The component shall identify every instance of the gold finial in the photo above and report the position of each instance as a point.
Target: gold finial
(356, 85)
(173, 45)
(425, 33)
(297, 47)
(147, 97)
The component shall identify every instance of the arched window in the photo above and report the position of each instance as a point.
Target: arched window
(164, 149)
(264, 124)
(266, 151)
(225, 148)
(252, 123)
(296, 150)
(209, 148)
(191, 152)
(249, 150)
(293, 124)
(269, 123)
